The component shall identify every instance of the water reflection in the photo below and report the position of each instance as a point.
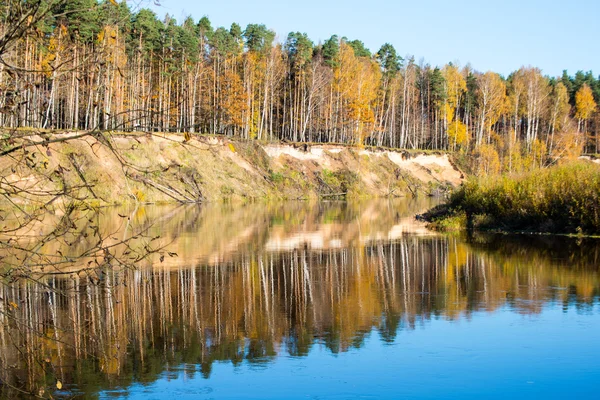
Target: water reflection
(252, 283)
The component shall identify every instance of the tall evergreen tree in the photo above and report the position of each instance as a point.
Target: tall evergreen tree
(331, 51)
(299, 49)
(390, 61)
(258, 38)
(82, 18)
(359, 48)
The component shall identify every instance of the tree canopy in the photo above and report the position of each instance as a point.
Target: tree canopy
(85, 64)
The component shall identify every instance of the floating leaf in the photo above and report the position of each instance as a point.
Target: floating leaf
(58, 385)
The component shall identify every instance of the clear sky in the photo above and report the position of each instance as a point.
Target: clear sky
(500, 35)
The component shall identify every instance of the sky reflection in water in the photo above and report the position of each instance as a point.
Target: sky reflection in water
(498, 355)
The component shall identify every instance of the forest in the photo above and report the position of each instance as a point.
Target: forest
(89, 65)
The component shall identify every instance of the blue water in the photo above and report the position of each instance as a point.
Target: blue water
(502, 354)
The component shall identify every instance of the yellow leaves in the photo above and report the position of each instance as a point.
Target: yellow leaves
(113, 45)
(56, 46)
(13, 305)
(139, 195)
(114, 3)
(252, 58)
(568, 146)
(108, 36)
(140, 214)
(560, 106)
(513, 158)
(253, 126)
(47, 64)
(449, 111)
(234, 101)
(59, 385)
(457, 133)
(487, 159)
(187, 137)
(357, 80)
(456, 85)
(535, 157)
(492, 97)
(231, 147)
(530, 92)
(584, 102)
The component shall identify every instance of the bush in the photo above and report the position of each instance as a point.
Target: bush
(276, 177)
(563, 198)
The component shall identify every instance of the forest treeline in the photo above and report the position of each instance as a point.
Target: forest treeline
(101, 65)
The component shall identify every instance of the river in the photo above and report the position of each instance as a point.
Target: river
(298, 300)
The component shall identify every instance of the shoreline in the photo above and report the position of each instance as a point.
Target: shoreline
(559, 200)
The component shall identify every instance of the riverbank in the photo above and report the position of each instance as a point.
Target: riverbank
(562, 199)
(161, 168)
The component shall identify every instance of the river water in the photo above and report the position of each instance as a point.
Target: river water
(295, 300)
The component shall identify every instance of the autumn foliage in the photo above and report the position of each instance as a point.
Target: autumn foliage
(98, 65)
(563, 199)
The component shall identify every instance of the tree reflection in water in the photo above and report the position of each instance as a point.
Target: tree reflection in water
(248, 285)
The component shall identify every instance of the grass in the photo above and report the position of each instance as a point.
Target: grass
(276, 177)
(559, 199)
(340, 182)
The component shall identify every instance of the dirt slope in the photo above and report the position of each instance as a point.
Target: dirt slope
(162, 168)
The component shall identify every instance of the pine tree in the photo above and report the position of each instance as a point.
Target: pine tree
(331, 51)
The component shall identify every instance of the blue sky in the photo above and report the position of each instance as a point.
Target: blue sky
(500, 36)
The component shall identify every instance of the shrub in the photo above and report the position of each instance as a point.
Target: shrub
(564, 198)
(276, 177)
